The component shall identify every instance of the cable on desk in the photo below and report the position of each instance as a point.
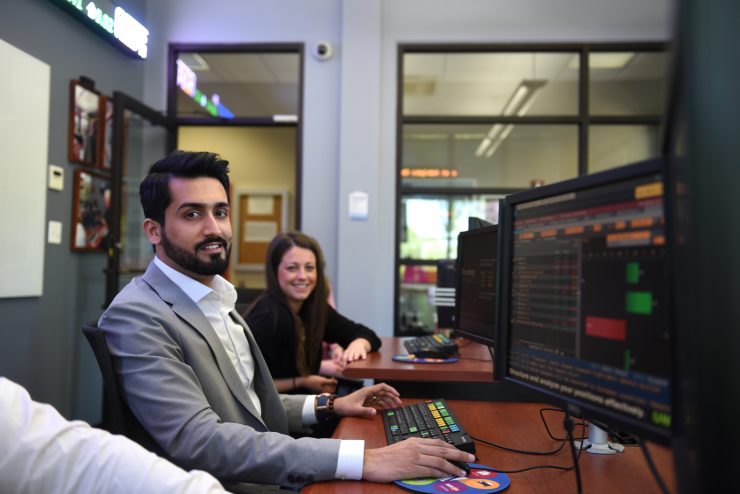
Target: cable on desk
(521, 451)
(568, 424)
(559, 410)
(651, 464)
(536, 453)
(535, 467)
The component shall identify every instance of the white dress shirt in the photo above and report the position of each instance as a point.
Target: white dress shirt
(41, 451)
(216, 302)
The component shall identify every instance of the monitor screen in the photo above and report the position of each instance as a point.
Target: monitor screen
(585, 301)
(475, 293)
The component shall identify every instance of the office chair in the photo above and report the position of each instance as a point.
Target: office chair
(117, 417)
(245, 297)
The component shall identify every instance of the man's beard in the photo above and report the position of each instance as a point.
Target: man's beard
(190, 260)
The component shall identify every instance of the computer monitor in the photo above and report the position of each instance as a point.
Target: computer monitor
(584, 306)
(475, 293)
(475, 222)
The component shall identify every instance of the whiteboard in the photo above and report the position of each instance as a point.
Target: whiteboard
(24, 133)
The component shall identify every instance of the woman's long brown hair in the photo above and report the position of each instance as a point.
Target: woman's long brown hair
(310, 322)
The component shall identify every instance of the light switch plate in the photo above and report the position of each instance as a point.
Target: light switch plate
(55, 232)
(56, 177)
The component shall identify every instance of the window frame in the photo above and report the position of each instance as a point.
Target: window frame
(582, 120)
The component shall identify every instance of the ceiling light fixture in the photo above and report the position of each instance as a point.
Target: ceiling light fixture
(518, 104)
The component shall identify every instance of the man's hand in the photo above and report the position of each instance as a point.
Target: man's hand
(413, 458)
(366, 401)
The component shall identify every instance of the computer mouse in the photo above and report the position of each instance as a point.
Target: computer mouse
(461, 465)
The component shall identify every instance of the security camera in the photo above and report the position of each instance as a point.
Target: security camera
(323, 50)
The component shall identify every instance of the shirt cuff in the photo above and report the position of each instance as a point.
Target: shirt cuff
(351, 456)
(309, 411)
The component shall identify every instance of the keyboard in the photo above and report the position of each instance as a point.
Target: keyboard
(431, 346)
(431, 419)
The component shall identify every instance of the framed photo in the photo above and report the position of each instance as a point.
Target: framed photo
(85, 125)
(106, 144)
(90, 211)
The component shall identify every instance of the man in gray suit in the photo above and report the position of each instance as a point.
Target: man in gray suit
(193, 375)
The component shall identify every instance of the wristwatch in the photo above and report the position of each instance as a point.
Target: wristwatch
(324, 406)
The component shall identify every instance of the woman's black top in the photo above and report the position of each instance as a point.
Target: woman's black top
(271, 322)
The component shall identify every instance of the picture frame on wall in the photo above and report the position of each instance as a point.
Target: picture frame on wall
(106, 147)
(85, 125)
(90, 211)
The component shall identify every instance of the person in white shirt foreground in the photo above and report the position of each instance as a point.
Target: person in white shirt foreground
(42, 452)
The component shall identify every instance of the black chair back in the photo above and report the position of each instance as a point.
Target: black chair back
(117, 417)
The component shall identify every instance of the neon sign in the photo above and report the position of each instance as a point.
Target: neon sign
(188, 82)
(110, 21)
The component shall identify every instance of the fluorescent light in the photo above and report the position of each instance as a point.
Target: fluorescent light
(518, 104)
(285, 118)
(195, 62)
(603, 60)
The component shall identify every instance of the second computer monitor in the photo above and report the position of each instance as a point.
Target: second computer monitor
(475, 293)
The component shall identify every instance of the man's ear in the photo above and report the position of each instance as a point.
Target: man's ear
(153, 231)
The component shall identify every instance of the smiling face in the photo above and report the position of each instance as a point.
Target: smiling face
(296, 275)
(196, 237)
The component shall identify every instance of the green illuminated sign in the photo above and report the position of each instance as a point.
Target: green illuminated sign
(111, 22)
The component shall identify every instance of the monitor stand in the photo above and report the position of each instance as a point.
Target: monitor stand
(598, 442)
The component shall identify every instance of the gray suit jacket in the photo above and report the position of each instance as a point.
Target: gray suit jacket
(180, 384)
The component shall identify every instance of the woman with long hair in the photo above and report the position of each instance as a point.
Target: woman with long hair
(292, 318)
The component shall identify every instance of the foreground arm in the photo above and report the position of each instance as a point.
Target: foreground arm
(44, 452)
(408, 459)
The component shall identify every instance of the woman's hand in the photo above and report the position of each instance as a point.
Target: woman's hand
(366, 401)
(357, 350)
(336, 351)
(331, 367)
(317, 384)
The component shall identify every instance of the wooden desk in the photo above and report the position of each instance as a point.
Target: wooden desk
(518, 425)
(475, 365)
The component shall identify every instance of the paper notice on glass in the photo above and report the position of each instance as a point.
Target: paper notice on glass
(260, 206)
(259, 231)
(359, 205)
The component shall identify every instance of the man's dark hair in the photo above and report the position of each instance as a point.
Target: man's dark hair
(154, 191)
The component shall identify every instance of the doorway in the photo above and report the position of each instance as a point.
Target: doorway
(244, 102)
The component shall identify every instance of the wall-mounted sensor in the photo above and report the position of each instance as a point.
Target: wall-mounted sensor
(323, 50)
(56, 177)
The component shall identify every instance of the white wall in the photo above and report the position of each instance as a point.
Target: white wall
(350, 100)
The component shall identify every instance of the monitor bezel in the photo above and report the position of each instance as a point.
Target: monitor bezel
(461, 237)
(576, 407)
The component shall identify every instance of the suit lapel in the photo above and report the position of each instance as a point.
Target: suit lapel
(189, 312)
(273, 412)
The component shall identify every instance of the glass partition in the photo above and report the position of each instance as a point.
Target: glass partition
(487, 156)
(627, 83)
(507, 84)
(614, 145)
(230, 85)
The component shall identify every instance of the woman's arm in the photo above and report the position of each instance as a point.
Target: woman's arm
(344, 331)
(313, 383)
